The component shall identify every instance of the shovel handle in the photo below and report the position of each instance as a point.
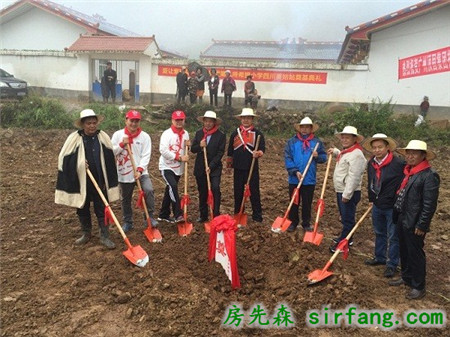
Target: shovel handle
(359, 222)
(301, 179)
(326, 176)
(138, 182)
(94, 182)
(186, 149)
(253, 160)
(208, 180)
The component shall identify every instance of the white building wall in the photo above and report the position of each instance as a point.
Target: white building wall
(39, 30)
(419, 35)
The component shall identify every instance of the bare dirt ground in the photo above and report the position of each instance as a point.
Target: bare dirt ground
(50, 287)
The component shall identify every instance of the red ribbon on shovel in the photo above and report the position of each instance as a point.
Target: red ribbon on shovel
(247, 192)
(320, 207)
(296, 196)
(185, 200)
(210, 199)
(108, 217)
(140, 200)
(343, 247)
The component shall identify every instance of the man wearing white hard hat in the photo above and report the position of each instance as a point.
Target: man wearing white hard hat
(414, 208)
(347, 179)
(87, 148)
(241, 151)
(384, 173)
(214, 140)
(297, 152)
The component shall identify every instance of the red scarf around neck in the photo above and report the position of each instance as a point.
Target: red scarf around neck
(244, 134)
(385, 162)
(134, 135)
(409, 171)
(207, 133)
(306, 140)
(350, 149)
(180, 133)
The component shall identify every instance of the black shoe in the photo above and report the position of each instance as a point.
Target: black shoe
(308, 229)
(168, 219)
(292, 228)
(396, 283)
(389, 272)
(415, 294)
(337, 240)
(374, 262)
(257, 219)
(202, 220)
(333, 248)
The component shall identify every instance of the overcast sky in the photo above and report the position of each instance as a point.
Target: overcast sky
(188, 26)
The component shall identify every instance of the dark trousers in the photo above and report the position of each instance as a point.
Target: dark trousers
(193, 98)
(239, 180)
(305, 198)
(110, 88)
(213, 95)
(181, 95)
(171, 197)
(227, 99)
(347, 211)
(202, 186)
(99, 206)
(386, 236)
(412, 257)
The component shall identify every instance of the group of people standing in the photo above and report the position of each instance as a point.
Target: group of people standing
(193, 85)
(403, 193)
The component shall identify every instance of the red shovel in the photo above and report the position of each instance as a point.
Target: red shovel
(314, 237)
(185, 227)
(152, 234)
(135, 254)
(282, 223)
(210, 200)
(241, 217)
(321, 274)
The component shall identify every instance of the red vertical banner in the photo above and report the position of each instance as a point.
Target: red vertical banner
(432, 62)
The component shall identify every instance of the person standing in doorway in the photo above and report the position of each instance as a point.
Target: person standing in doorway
(110, 79)
(228, 86)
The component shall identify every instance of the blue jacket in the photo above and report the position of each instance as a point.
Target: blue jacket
(296, 158)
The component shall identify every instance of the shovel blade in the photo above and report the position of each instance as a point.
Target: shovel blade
(185, 228)
(207, 227)
(313, 237)
(241, 219)
(153, 234)
(318, 276)
(136, 255)
(281, 224)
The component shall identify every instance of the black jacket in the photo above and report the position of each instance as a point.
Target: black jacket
(215, 150)
(242, 159)
(383, 195)
(421, 195)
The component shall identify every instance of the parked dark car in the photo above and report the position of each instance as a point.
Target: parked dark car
(11, 87)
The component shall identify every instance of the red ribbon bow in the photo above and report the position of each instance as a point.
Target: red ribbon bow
(140, 200)
(343, 247)
(108, 216)
(185, 200)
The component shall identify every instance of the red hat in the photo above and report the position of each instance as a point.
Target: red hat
(178, 115)
(133, 114)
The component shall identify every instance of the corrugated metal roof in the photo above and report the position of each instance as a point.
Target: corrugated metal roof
(111, 44)
(273, 50)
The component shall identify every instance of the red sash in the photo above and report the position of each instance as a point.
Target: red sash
(409, 171)
(378, 167)
(305, 140)
(131, 136)
(350, 149)
(210, 132)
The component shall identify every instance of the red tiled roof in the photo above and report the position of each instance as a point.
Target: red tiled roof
(111, 44)
(358, 38)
